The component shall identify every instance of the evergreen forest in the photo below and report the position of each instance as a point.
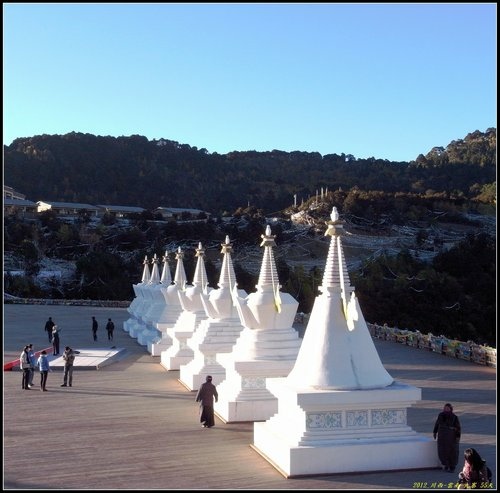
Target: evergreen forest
(134, 171)
(453, 294)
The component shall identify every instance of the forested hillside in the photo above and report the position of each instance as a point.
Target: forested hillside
(420, 237)
(134, 171)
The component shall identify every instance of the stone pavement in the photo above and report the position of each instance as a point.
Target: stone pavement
(131, 424)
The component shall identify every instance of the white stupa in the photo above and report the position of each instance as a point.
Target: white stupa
(149, 331)
(171, 309)
(218, 332)
(179, 353)
(148, 292)
(138, 303)
(154, 334)
(339, 409)
(267, 346)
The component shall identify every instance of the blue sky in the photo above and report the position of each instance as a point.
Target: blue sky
(388, 81)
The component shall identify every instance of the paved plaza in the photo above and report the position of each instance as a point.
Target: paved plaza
(128, 423)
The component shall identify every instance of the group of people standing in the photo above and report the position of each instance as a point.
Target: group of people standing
(447, 430)
(110, 327)
(29, 362)
(53, 332)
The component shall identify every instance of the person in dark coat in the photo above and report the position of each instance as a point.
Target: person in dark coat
(206, 395)
(49, 325)
(447, 429)
(95, 325)
(110, 327)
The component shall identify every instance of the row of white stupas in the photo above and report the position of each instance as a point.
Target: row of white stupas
(321, 405)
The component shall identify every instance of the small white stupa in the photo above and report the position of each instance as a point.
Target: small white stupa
(148, 292)
(218, 332)
(172, 308)
(339, 409)
(149, 331)
(179, 353)
(155, 334)
(132, 307)
(138, 303)
(267, 346)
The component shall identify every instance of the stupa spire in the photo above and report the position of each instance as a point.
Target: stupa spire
(180, 273)
(155, 273)
(268, 277)
(145, 272)
(336, 276)
(227, 276)
(166, 276)
(200, 274)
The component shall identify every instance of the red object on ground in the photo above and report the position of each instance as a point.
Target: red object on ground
(12, 364)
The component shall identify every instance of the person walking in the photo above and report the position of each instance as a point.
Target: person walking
(49, 325)
(69, 358)
(55, 340)
(31, 355)
(95, 326)
(24, 363)
(447, 429)
(206, 395)
(110, 327)
(44, 368)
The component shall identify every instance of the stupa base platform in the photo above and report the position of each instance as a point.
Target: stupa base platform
(174, 361)
(370, 455)
(242, 411)
(136, 329)
(192, 375)
(160, 346)
(148, 335)
(343, 431)
(243, 395)
(128, 324)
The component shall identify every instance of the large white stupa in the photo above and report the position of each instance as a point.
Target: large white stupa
(339, 409)
(267, 346)
(218, 332)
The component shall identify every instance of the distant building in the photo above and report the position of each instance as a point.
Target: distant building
(120, 211)
(15, 203)
(68, 209)
(181, 214)
(19, 207)
(10, 193)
